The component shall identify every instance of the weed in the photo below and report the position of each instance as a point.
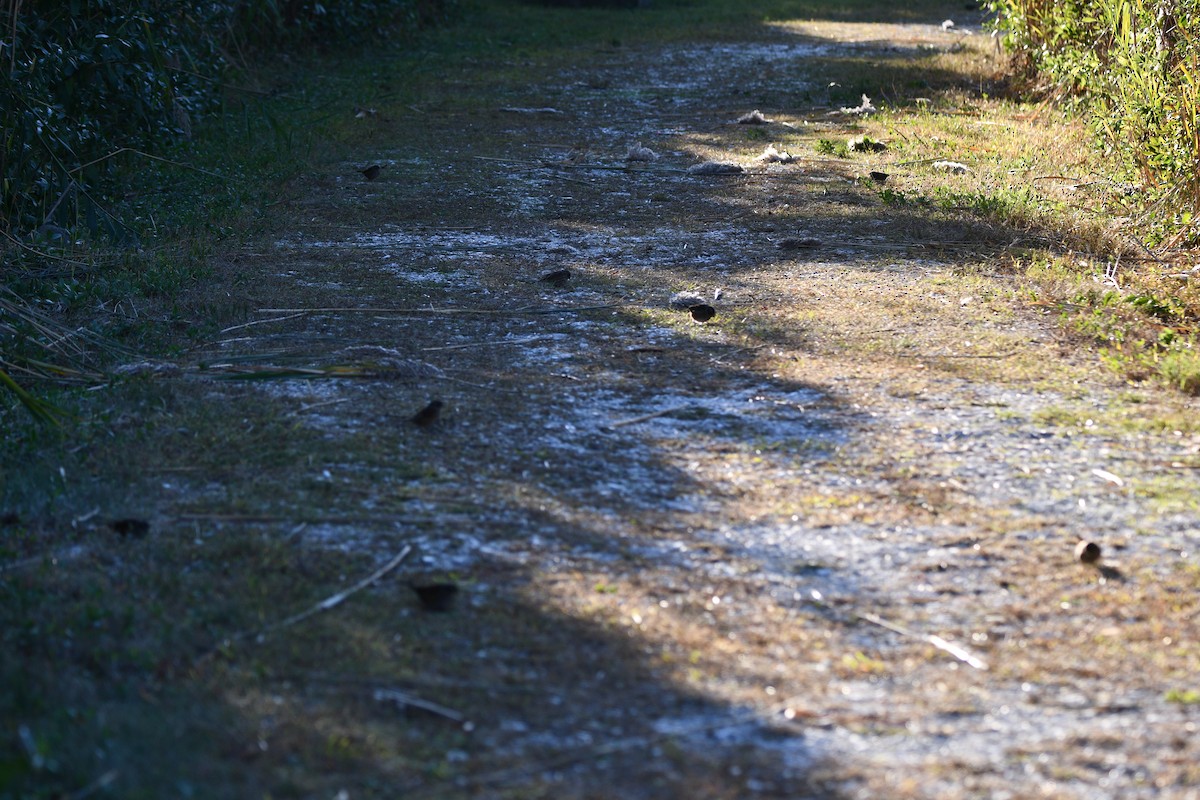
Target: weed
(831, 147)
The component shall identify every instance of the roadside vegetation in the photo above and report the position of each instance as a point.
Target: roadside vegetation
(1131, 70)
(135, 135)
(134, 222)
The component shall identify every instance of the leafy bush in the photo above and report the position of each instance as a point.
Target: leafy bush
(1136, 64)
(80, 80)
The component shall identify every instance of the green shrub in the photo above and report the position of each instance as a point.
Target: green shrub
(1136, 66)
(80, 80)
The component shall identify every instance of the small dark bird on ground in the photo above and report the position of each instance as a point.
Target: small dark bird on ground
(702, 312)
(558, 278)
(878, 177)
(371, 172)
(136, 528)
(1087, 552)
(427, 415)
(436, 596)
(798, 243)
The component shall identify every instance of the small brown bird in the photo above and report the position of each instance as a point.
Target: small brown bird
(1087, 552)
(427, 415)
(558, 278)
(135, 528)
(436, 596)
(702, 312)
(371, 172)
(798, 243)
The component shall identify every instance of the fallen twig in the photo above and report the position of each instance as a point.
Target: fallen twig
(260, 322)
(962, 654)
(336, 599)
(253, 519)
(404, 699)
(322, 404)
(951, 355)
(484, 311)
(95, 786)
(634, 420)
(53, 558)
(486, 343)
(120, 150)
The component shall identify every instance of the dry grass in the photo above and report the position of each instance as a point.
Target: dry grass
(626, 626)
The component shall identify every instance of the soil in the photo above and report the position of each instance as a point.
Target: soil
(821, 545)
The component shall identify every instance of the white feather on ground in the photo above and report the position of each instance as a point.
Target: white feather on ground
(773, 155)
(640, 153)
(865, 108)
(953, 167)
(755, 117)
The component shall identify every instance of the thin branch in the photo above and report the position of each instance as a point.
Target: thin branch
(962, 654)
(42, 253)
(489, 342)
(120, 150)
(951, 355)
(404, 699)
(254, 519)
(336, 599)
(324, 605)
(260, 322)
(482, 311)
(95, 786)
(634, 420)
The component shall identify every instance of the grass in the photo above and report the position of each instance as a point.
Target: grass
(121, 653)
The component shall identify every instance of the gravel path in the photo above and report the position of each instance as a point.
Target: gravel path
(838, 520)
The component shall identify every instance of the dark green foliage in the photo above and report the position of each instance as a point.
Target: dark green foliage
(1136, 65)
(81, 80)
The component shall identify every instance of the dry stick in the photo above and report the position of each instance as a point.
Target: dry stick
(260, 322)
(95, 786)
(120, 150)
(644, 417)
(484, 311)
(311, 406)
(915, 161)
(432, 681)
(405, 699)
(960, 653)
(324, 605)
(251, 519)
(526, 340)
(53, 557)
(44, 254)
(949, 355)
(336, 599)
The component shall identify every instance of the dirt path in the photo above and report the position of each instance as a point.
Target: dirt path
(821, 545)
